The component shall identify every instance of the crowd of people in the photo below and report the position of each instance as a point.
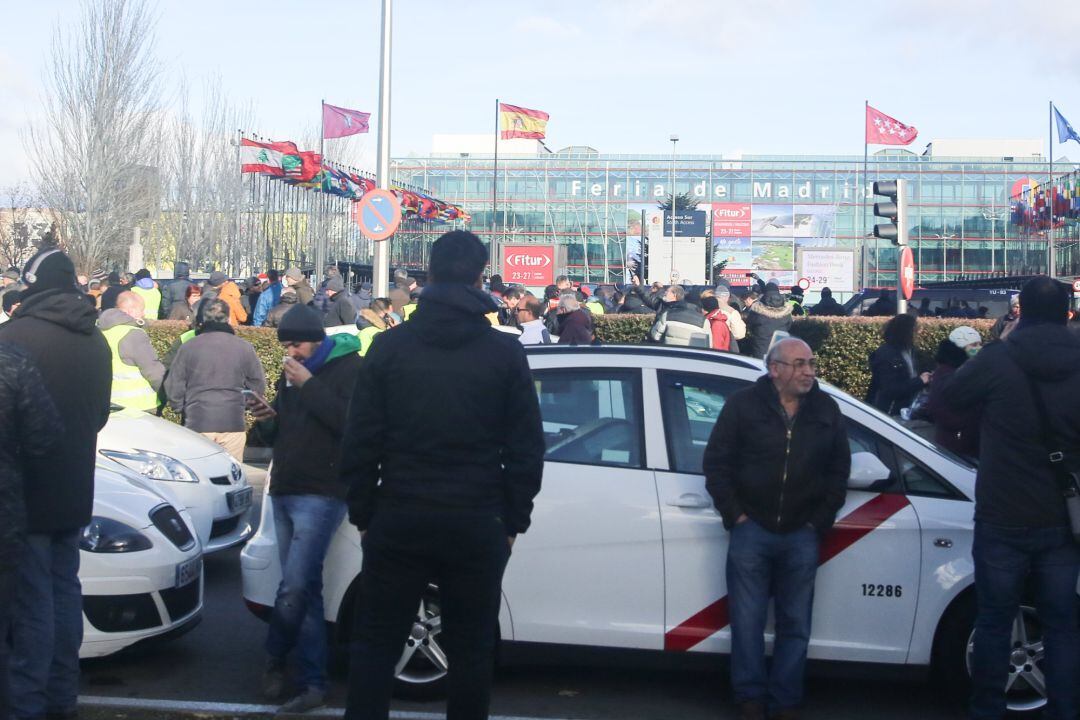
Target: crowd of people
(353, 436)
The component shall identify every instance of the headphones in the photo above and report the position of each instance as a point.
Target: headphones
(29, 275)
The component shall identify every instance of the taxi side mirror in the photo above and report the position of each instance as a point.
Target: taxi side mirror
(866, 471)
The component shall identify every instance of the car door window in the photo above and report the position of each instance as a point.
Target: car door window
(591, 416)
(921, 480)
(691, 405)
(860, 439)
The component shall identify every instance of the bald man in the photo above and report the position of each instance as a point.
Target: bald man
(137, 371)
(776, 466)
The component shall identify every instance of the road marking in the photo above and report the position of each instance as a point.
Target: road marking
(193, 706)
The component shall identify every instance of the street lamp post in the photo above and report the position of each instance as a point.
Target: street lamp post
(944, 252)
(993, 215)
(671, 268)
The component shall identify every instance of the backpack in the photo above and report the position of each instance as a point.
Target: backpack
(721, 333)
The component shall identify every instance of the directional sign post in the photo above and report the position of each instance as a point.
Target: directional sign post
(378, 214)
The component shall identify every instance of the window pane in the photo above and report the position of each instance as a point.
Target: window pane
(919, 480)
(692, 404)
(591, 416)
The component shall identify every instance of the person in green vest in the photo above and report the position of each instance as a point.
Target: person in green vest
(147, 289)
(591, 303)
(373, 320)
(137, 373)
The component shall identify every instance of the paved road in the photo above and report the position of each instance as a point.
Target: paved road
(221, 661)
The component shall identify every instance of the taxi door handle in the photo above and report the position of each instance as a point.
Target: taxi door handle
(690, 500)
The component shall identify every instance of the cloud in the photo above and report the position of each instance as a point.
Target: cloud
(547, 26)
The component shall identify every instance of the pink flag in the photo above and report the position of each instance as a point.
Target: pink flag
(884, 130)
(342, 122)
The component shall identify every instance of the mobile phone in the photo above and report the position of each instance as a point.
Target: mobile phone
(251, 394)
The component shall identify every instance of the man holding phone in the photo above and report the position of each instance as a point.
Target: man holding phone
(305, 424)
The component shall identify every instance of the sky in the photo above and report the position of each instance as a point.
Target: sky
(731, 78)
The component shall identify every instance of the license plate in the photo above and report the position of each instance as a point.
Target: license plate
(239, 500)
(187, 572)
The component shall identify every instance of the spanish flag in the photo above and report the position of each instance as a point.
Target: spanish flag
(519, 122)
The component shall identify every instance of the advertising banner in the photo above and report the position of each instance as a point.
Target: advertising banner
(777, 221)
(834, 269)
(735, 250)
(731, 220)
(814, 221)
(532, 265)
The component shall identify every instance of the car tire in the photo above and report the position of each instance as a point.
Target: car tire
(421, 673)
(953, 647)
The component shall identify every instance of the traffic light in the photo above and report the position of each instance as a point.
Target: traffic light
(895, 211)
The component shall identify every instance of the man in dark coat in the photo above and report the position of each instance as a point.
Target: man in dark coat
(29, 427)
(55, 327)
(175, 291)
(1022, 537)
(439, 496)
(827, 306)
(341, 311)
(884, 306)
(116, 286)
(574, 322)
(769, 314)
(776, 466)
(304, 425)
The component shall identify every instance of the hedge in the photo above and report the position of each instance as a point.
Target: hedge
(842, 345)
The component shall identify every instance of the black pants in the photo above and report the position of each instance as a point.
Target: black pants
(7, 597)
(464, 553)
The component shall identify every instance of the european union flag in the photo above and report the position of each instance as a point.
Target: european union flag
(1065, 130)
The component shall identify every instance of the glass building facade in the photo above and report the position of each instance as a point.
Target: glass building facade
(595, 204)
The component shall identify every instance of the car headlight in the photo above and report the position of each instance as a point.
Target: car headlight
(153, 465)
(105, 535)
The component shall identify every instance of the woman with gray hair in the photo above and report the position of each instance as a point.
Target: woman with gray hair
(575, 323)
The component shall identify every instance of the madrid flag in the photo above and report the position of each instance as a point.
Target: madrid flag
(884, 130)
(341, 122)
(519, 122)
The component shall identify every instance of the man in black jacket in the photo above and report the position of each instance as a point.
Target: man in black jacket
(55, 327)
(175, 290)
(776, 466)
(305, 424)
(29, 426)
(443, 453)
(1021, 524)
(827, 306)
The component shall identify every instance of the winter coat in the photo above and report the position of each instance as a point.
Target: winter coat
(682, 325)
(230, 293)
(893, 384)
(137, 372)
(57, 329)
(206, 376)
(174, 290)
(827, 307)
(882, 307)
(306, 434)
(268, 298)
(288, 302)
(135, 349)
(1003, 326)
(633, 304)
(399, 298)
(108, 298)
(1016, 486)
(765, 317)
(29, 428)
(341, 312)
(956, 431)
(445, 414)
(781, 474)
(304, 294)
(181, 311)
(575, 328)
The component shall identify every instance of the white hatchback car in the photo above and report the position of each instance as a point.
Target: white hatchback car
(209, 482)
(140, 566)
(627, 551)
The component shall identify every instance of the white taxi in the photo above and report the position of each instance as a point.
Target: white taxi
(140, 565)
(210, 483)
(627, 551)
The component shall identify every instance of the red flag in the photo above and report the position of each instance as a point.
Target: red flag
(884, 130)
(342, 122)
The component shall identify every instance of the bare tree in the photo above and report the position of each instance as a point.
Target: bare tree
(95, 155)
(21, 224)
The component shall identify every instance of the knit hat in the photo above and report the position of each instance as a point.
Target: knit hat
(216, 279)
(294, 274)
(963, 336)
(301, 324)
(335, 284)
(48, 270)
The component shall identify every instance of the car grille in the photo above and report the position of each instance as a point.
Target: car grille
(181, 601)
(121, 613)
(172, 526)
(223, 527)
(221, 480)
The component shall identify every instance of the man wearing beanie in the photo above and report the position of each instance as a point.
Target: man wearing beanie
(207, 374)
(228, 291)
(175, 291)
(341, 310)
(304, 425)
(1026, 392)
(295, 279)
(55, 327)
(439, 496)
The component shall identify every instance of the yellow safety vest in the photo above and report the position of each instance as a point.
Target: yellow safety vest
(366, 336)
(595, 308)
(407, 311)
(129, 388)
(151, 299)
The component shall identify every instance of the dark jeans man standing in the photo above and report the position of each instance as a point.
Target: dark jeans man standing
(776, 466)
(1024, 387)
(443, 453)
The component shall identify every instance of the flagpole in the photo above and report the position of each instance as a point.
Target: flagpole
(862, 198)
(320, 251)
(1050, 259)
(495, 183)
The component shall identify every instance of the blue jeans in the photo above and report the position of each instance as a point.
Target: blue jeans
(47, 626)
(1005, 560)
(304, 525)
(761, 564)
